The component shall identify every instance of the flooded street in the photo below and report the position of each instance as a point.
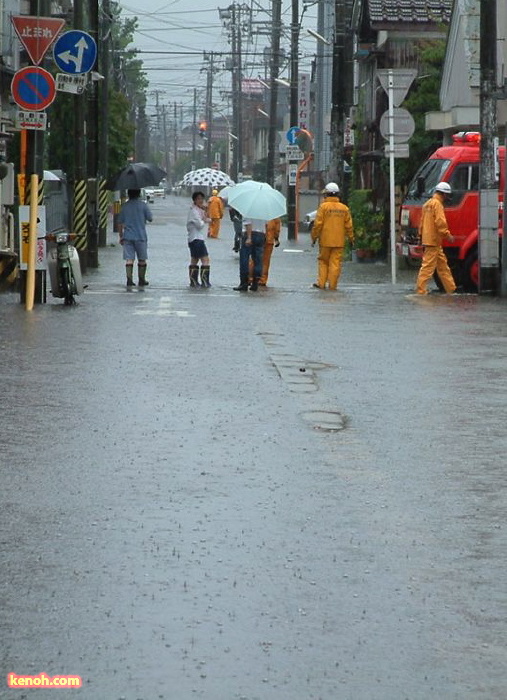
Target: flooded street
(291, 494)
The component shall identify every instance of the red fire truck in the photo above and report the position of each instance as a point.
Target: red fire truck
(457, 164)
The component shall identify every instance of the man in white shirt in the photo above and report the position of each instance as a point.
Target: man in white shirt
(252, 246)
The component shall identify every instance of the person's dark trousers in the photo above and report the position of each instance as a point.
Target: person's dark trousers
(254, 251)
(238, 228)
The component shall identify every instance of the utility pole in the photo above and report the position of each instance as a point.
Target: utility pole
(233, 18)
(105, 47)
(92, 149)
(294, 121)
(337, 96)
(166, 140)
(175, 157)
(194, 130)
(488, 187)
(273, 98)
(238, 123)
(79, 209)
(209, 57)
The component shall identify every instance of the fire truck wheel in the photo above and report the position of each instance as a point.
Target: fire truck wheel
(471, 271)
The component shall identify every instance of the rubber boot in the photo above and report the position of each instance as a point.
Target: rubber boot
(205, 276)
(193, 273)
(255, 285)
(141, 271)
(130, 282)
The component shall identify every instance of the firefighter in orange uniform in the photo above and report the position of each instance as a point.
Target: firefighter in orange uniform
(272, 241)
(215, 213)
(332, 223)
(432, 230)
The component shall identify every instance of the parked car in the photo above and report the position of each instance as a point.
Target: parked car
(154, 192)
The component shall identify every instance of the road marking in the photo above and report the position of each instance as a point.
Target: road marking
(164, 309)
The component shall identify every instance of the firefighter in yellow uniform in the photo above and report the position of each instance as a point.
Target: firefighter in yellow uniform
(332, 223)
(272, 241)
(432, 230)
(215, 213)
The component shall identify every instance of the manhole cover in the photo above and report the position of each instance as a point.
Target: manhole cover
(325, 420)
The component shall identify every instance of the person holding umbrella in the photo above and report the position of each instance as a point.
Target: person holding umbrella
(196, 222)
(132, 231)
(258, 203)
(252, 247)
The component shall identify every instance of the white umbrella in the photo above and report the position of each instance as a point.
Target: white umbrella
(226, 192)
(207, 177)
(258, 200)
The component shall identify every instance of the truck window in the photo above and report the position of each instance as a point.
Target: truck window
(465, 178)
(430, 174)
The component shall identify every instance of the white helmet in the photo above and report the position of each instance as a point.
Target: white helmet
(444, 188)
(332, 188)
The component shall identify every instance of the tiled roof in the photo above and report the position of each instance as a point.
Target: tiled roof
(417, 11)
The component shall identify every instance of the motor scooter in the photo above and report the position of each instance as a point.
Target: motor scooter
(64, 268)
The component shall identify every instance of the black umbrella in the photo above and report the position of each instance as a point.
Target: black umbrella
(136, 176)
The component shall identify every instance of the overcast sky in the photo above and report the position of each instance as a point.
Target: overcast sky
(185, 28)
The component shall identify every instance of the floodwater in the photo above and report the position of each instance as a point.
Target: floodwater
(284, 495)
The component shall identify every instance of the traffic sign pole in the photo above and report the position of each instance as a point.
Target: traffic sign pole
(392, 222)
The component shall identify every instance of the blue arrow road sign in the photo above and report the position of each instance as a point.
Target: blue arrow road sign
(75, 52)
(291, 135)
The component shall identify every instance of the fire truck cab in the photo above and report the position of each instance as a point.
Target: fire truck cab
(457, 164)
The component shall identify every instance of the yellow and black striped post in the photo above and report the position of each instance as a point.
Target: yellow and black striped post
(103, 212)
(79, 220)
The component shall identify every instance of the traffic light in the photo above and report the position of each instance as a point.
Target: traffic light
(203, 126)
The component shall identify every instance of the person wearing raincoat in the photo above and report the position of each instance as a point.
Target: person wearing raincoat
(272, 241)
(215, 213)
(433, 229)
(332, 223)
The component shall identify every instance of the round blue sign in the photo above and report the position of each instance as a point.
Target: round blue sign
(75, 52)
(291, 135)
(33, 88)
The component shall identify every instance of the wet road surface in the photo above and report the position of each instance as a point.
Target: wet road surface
(288, 495)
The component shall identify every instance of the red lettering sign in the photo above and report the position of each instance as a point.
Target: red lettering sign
(37, 34)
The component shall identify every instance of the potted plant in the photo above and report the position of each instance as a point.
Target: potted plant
(368, 224)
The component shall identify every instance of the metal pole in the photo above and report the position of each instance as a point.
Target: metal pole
(194, 129)
(104, 69)
(209, 107)
(239, 125)
(338, 90)
(92, 232)
(392, 222)
(294, 121)
(503, 290)
(80, 213)
(273, 97)
(488, 221)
